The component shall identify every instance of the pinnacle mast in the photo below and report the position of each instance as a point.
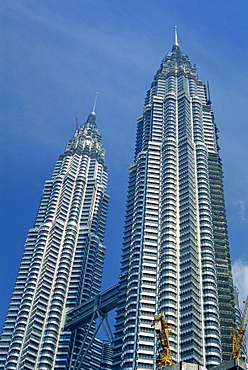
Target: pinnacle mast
(94, 106)
(175, 36)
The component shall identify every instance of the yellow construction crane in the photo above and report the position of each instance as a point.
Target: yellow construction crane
(238, 336)
(163, 331)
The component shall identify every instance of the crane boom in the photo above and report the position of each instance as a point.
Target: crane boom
(163, 331)
(238, 336)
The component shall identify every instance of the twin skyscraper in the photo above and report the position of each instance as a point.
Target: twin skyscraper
(175, 255)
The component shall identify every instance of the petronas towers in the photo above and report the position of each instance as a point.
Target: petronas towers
(63, 259)
(175, 251)
(175, 255)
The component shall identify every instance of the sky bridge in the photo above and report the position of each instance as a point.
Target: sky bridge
(97, 307)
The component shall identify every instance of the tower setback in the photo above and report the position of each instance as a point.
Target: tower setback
(62, 263)
(175, 256)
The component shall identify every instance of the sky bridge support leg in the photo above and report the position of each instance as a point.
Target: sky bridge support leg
(107, 330)
(103, 317)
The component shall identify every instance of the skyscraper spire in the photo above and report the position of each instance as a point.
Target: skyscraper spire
(175, 36)
(94, 106)
(91, 120)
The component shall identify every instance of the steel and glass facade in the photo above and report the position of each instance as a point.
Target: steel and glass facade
(175, 254)
(62, 262)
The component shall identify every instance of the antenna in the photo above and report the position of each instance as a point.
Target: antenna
(76, 124)
(94, 106)
(176, 37)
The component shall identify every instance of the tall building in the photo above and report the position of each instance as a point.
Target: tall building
(62, 262)
(175, 254)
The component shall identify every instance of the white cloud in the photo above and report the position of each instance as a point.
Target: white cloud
(240, 277)
(241, 205)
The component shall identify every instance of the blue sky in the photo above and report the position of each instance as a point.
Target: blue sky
(57, 54)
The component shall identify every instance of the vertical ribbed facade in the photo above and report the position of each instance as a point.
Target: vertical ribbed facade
(175, 254)
(222, 254)
(62, 262)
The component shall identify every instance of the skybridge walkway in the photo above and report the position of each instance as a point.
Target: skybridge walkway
(102, 303)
